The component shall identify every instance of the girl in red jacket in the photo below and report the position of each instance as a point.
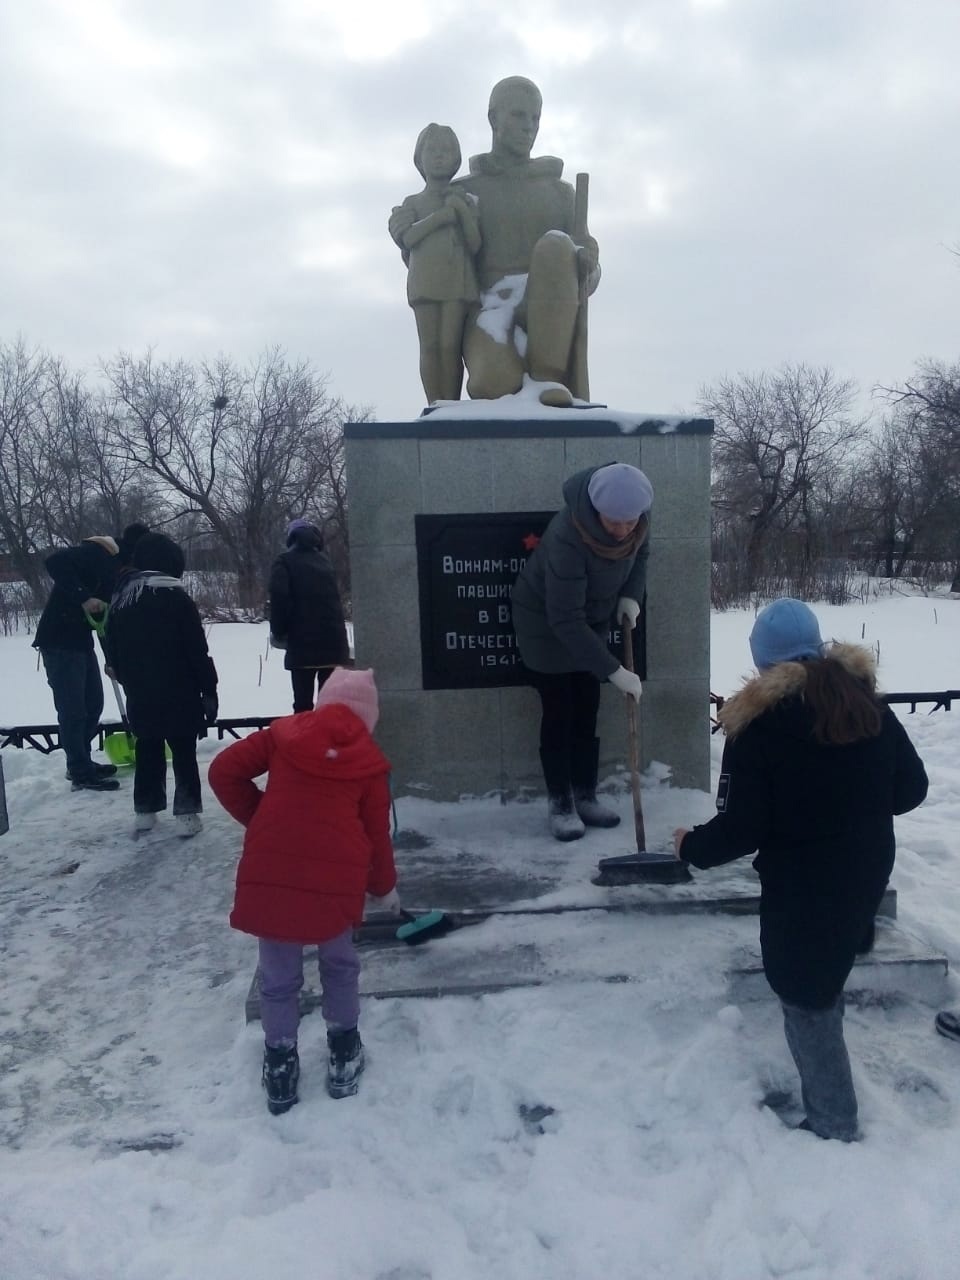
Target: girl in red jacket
(317, 840)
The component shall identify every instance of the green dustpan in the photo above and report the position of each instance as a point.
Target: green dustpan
(121, 748)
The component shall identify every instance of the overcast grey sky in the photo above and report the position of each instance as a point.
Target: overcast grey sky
(770, 180)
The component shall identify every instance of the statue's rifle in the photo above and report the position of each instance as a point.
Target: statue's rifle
(580, 384)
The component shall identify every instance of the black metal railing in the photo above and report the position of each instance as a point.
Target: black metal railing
(941, 700)
(46, 737)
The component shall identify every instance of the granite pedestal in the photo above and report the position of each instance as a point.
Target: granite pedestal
(446, 743)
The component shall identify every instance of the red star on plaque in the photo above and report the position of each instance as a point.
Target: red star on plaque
(531, 542)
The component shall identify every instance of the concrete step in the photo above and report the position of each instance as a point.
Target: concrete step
(637, 900)
(899, 966)
(625, 943)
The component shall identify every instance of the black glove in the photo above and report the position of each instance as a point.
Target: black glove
(211, 707)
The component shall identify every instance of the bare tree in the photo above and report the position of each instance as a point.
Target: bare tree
(780, 440)
(23, 375)
(934, 394)
(246, 448)
(331, 500)
(79, 487)
(124, 491)
(922, 450)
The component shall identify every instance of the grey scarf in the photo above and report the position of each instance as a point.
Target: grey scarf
(146, 579)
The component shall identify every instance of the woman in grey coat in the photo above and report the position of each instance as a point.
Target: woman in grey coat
(588, 571)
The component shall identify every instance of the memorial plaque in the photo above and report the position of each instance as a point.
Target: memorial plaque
(466, 568)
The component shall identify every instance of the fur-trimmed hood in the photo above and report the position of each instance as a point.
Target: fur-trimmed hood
(786, 680)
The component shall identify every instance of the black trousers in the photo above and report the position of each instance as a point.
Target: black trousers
(303, 680)
(150, 776)
(570, 701)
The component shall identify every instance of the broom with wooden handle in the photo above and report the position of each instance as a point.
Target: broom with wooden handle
(642, 867)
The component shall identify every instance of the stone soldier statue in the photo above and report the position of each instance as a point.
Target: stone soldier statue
(536, 262)
(536, 266)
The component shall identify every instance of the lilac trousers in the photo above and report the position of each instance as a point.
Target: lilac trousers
(281, 978)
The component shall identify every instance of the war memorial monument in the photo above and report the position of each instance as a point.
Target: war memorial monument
(501, 269)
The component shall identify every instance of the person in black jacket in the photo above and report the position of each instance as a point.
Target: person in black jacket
(306, 616)
(815, 765)
(125, 545)
(158, 652)
(588, 573)
(83, 579)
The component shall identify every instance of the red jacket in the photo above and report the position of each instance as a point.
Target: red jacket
(318, 836)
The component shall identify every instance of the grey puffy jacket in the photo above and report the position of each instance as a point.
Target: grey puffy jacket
(565, 596)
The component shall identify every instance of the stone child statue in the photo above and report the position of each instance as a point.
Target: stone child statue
(537, 263)
(438, 233)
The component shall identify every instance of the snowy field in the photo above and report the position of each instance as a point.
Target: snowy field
(136, 1144)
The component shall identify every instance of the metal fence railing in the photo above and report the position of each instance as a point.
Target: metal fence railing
(46, 737)
(941, 700)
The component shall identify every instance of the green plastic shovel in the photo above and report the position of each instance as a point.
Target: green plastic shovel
(120, 748)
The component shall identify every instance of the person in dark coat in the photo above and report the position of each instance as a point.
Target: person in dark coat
(815, 765)
(317, 841)
(126, 544)
(158, 652)
(125, 566)
(306, 616)
(588, 571)
(83, 580)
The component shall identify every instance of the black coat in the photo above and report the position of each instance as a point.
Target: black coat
(821, 817)
(78, 573)
(158, 651)
(566, 595)
(305, 610)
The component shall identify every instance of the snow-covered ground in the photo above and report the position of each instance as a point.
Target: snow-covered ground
(136, 1144)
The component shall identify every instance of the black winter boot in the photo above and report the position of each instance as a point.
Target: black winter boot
(281, 1073)
(98, 770)
(584, 764)
(565, 823)
(345, 1064)
(93, 782)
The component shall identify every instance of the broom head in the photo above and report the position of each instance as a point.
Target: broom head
(642, 868)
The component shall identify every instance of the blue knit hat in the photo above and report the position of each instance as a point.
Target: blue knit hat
(620, 492)
(785, 631)
(296, 525)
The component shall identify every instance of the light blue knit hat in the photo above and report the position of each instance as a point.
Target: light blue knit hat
(785, 631)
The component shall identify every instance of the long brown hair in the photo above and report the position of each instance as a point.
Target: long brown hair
(845, 706)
